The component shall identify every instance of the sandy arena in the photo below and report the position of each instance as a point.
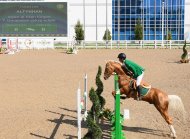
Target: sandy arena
(38, 92)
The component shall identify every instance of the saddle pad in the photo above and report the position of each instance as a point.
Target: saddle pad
(146, 86)
(144, 90)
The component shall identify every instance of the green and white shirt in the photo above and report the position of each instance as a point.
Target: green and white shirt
(133, 67)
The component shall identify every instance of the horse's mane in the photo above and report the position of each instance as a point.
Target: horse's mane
(114, 62)
(117, 62)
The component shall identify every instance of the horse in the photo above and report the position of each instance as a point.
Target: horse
(155, 96)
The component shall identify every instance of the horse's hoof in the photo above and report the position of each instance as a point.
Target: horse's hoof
(123, 97)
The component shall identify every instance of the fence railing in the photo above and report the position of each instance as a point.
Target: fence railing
(122, 44)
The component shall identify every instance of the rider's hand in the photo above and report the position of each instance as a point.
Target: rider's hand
(130, 74)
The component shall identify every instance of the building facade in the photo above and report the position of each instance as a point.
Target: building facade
(158, 19)
(94, 15)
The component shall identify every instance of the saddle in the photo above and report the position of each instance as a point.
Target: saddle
(144, 87)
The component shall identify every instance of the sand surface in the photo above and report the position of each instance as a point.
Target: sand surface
(38, 92)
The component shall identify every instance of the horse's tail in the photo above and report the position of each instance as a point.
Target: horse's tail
(176, 104)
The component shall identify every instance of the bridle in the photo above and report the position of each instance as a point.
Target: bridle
(108, 72)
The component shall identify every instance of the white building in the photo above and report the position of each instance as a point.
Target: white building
(76, 11)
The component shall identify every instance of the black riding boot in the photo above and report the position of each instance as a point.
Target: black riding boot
(138, 93)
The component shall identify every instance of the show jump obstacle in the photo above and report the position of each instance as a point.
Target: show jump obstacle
(117, 118)
(81, 106)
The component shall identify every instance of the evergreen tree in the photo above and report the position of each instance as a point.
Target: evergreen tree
(100, 89)
(105, 35)
(94, 131)
(79, 32)
(138, 30)
(168, 36)
(185, 53)
(98, 102)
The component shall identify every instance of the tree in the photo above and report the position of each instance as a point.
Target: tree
(168, 36)
(138, 30)
(184, 56)
(105, 37)
(94, 130)
(79, 32)
(95, 113)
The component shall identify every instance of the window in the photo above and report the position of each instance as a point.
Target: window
(151, 18)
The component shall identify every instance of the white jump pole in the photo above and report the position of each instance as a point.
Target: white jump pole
(79, 112)
(85, 97)
(80, 117)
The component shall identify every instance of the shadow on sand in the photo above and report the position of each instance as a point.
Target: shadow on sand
(106, 126)
(146, 131)
(58, 122)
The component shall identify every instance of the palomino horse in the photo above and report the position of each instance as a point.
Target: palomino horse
(155, 96)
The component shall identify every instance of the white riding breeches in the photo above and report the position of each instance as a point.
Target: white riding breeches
(139, 79)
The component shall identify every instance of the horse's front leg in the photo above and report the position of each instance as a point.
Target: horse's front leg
(122, 92)
(113, 93)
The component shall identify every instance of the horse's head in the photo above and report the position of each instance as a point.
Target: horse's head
(110, 68)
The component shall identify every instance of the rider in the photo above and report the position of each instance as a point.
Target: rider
(132, 69)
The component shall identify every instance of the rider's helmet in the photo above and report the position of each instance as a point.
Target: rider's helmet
(122, 56)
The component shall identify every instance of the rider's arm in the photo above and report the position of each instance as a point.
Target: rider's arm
(127, 71)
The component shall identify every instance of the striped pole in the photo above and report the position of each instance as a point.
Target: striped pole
(81, 107)
(79, 113)
(117, 110)
(85, 97)
(118, 119)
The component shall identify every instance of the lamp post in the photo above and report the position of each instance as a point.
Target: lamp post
(96, 26)
(118, 19)
(84, 21)
(106, 23)
(162, 24)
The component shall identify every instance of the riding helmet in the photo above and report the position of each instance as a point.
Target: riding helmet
(122, 56)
